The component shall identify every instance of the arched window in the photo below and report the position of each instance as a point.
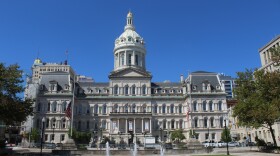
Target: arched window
(63, 123)
(126, 89)
(172, 124)
(49, 106)
(136, 60)
(144, 108)
(204, 106)
(144, 89)
(221, 122)
(220, 105)
(163, 109)
(95, 109)
(122, 59)
(88, 109)
(47, 123)
(54, 104)
(133, 90)
(212, 122)
(116, 88)
(53, 123)
(133, 108)
(195, 106)
(211, 106)
(196, 122)
(39, 107)
(181, 124)
(104, 109)
(180, 108)
(115, 108)
(155, 109)
(129, 59)
(205, 122)
(103, 124)
(64, 104)
(164, 124)
(126, 108)
(172, 108)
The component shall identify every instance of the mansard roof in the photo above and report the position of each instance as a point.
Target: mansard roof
(166, 84)
(199, 77)
(61, 78)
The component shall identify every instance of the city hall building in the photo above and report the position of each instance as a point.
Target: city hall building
(130, 103)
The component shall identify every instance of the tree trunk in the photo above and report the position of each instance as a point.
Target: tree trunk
(272, 134)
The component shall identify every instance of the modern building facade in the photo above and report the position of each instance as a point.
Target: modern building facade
(130, 104)
(266, 56)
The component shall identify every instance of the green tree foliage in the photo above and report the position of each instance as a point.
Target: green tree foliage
(80, 137)
(258, 99)
(177, 135)
(35, 134)
(226, 137)
(275, 52)
(13, 109)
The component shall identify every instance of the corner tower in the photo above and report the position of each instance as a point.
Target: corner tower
(129, 51)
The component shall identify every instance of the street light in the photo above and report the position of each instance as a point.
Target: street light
(42, 133)
(144, 133)
(226, 136)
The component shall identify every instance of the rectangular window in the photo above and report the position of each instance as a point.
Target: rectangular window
(206, 136)
(46, 137)
(53, 137)
(213, 136)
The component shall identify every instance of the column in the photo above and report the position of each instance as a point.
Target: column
(142, 125)
(125, 126)
(119, 123)
(134, 126)
(150, 125)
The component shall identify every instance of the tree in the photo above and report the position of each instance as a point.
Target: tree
(35, 134)
(258, 99)
(13, 109)
(226, 137)
(177, 135)
(80, 137)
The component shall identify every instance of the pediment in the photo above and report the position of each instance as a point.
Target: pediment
(130, 72)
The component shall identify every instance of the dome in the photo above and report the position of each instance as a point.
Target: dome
(129, 36)
(37, 61)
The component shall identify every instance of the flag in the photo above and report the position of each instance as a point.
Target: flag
(68, 111)
(188, 112)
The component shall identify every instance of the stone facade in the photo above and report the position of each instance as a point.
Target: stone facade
(130, 103)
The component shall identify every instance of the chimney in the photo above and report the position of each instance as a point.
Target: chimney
(182, 78)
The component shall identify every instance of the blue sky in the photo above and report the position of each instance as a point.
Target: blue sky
(181, 36)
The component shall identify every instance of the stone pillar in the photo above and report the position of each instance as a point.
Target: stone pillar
(142, 125)
(150, 125)
(125, 131)
(134, 126)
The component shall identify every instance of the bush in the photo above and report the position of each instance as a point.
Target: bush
(260, 142)
(2, 143)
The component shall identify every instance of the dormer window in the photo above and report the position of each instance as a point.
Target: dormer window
(41, 87)
(179, 91)
(217, 87)
(194, 87)
(66, 87)
(129, 39)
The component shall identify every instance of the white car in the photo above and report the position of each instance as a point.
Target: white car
(221, 144)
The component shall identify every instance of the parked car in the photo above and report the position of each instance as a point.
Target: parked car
(221, 144)
(233, 144)
(49, 145)
(205, 143)
(168, 146)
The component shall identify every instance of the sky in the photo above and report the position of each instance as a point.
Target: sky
(181, 36)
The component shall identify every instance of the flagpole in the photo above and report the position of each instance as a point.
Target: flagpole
(190, 108)
(72, 109)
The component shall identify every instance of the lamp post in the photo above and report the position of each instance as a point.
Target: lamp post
(42, 133)
(144, 133)
(161, 139)
(226, 136)
(53, 132)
